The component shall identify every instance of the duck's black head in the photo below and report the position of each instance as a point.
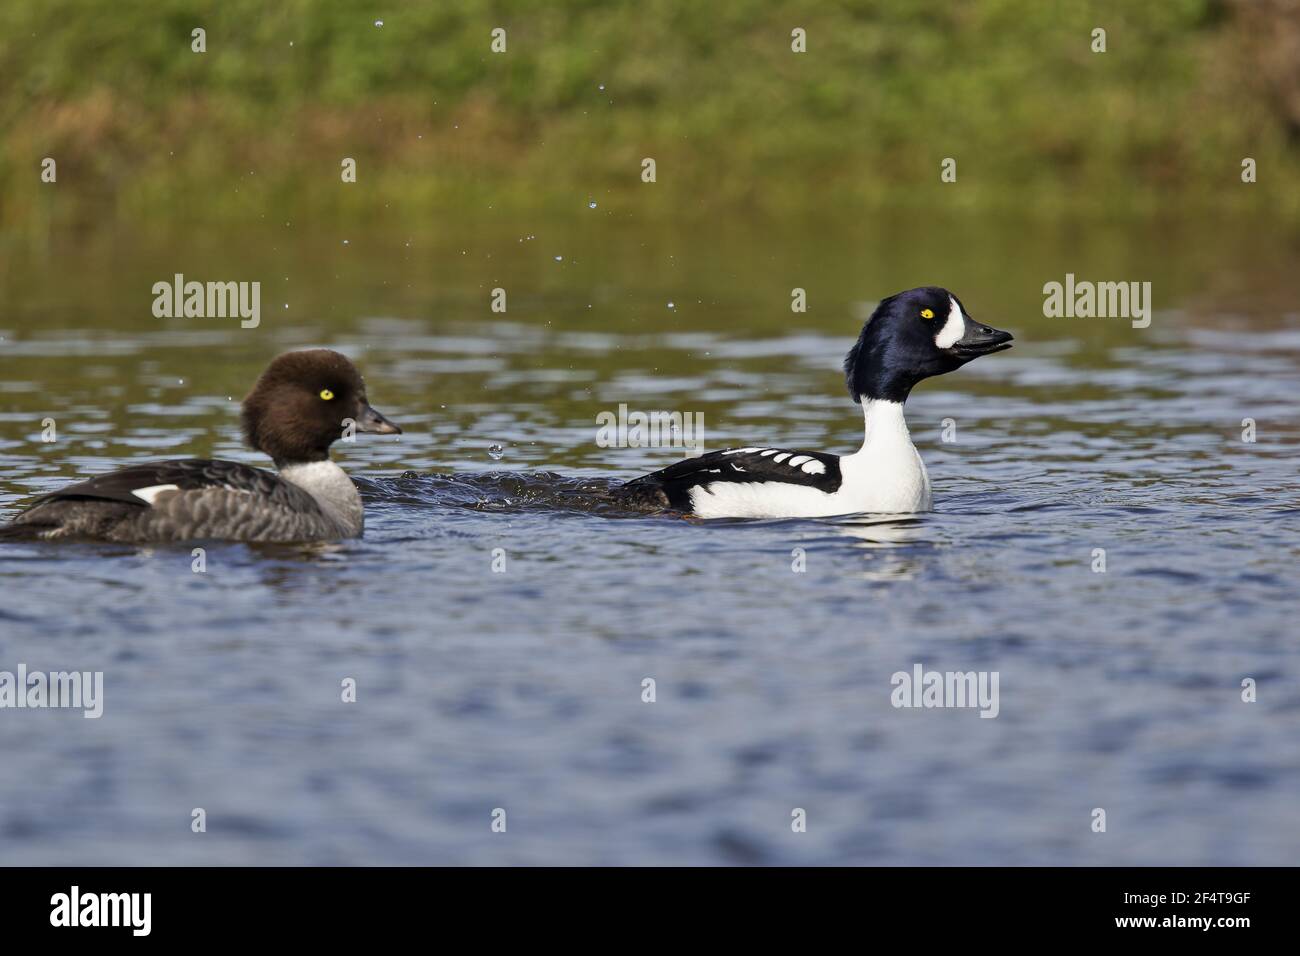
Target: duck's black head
(298, 407)
(911, 336)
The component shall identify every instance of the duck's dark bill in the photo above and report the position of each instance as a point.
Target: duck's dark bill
(371, 422)
(982, 340)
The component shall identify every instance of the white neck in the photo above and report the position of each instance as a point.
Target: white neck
(886, 474)
(333, 490)
(884, 423)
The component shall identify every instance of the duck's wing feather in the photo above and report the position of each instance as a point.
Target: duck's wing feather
(671, 486)
(140, 484)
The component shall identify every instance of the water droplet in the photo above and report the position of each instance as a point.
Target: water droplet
(559, 258)
(602, 87)
(496, 452)
(345, 242)
(591, 205)
(671, 306)
(379, 23)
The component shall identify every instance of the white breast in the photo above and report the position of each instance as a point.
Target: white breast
(333, 490)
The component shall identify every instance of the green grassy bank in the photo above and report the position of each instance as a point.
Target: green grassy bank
(142, 128)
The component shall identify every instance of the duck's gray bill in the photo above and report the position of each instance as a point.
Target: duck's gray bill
(371, 422)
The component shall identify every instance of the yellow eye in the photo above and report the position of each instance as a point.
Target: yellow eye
(927, 314)
(326, 394)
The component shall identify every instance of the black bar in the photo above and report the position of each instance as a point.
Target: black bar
(332, 906)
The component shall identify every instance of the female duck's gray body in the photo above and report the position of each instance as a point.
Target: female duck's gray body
(296, 410)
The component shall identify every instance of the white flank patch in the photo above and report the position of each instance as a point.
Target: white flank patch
(953, 329)
(760, 499)
(153, 491)
(886, 476)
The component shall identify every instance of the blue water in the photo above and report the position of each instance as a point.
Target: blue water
(522, 690)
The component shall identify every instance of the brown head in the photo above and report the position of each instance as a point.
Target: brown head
(301, 404)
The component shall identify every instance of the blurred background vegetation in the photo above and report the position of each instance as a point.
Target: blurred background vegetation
(143, 129)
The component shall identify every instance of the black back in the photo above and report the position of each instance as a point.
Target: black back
(736, 466)
(188, 474)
